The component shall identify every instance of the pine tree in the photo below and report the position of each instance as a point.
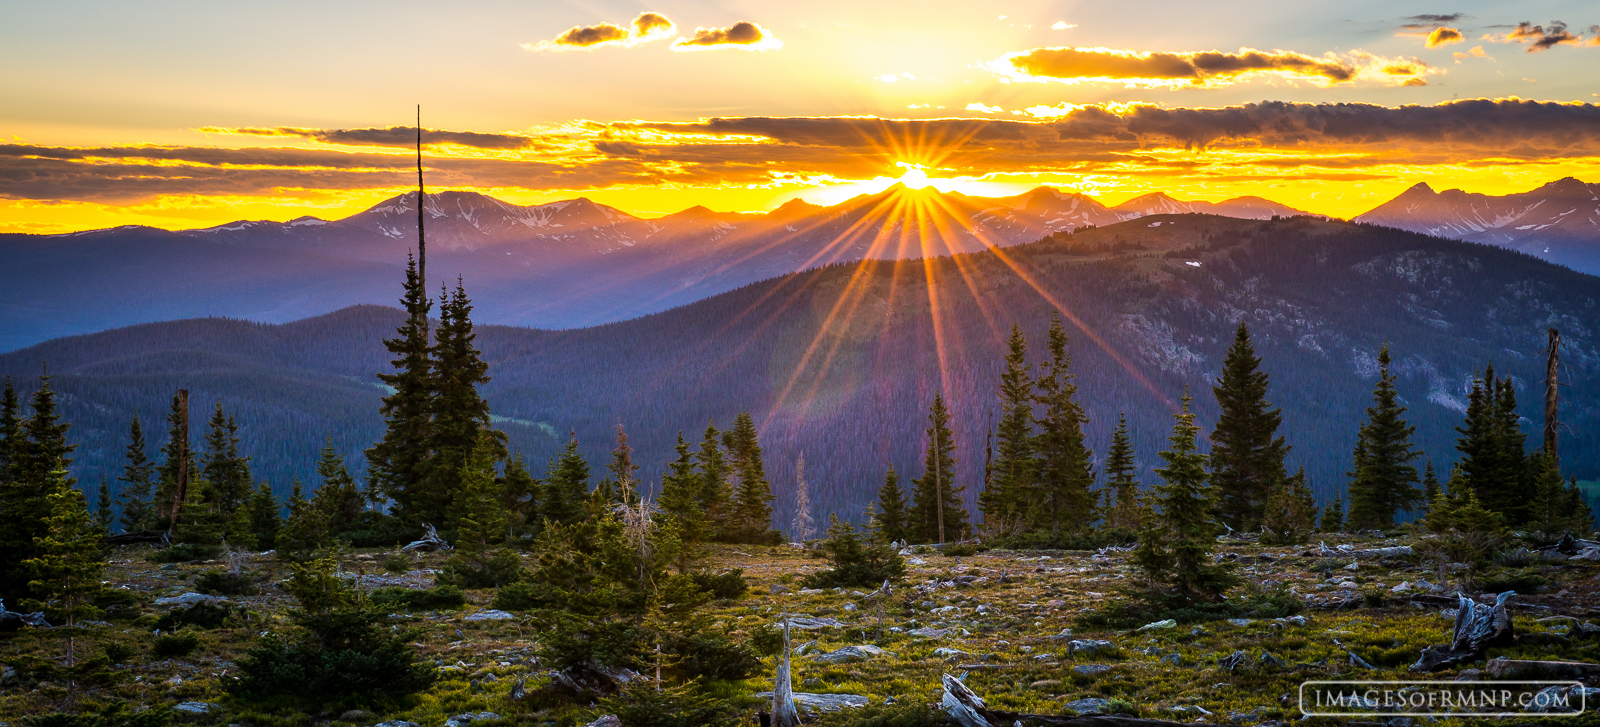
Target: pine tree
(1124, 510)
(102, 507)
(39, 448)
(1550, 508)
(1383, 480)
(398, 463)
(305, 533)
(566, 486)
(460, 414)
(1064, 465)
(203, 526)
(623, 473)
(1333, 516)
(10, 429)
(1493, 463)
(752, 503)
(1246, 453)
(1013, 474)
(65, 568)
(519, 495)
(1290, 516)
(716, 491)
(803, 527)
(476, 563)
(176, 452)
(264, 518)
(1430, 486)
(223, 466)
(1175, 553)
(938, 511)
(138, 512)
(337, 497)
(890, 519)
(680, 502)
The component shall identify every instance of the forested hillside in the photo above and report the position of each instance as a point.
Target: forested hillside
(841, 363)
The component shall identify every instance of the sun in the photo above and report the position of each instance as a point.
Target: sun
(915, 176)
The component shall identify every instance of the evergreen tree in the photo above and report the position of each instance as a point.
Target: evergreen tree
(938, 511)
(203, 526)
(102, 507)
(39, 448)
(890, 519)
(398, 463)
(1246, 453)
(1550, 504)
(1333, 516)
(519, 495)
(305, 533)
(337, 497)
(752, 502)
(566, 486)
(1383, 480)
(138, 512)
(855, 562)
(263, 516)
(176, 452)
(1291, 512)
(1430, 486)
(223, 466)
(1175, 553)
(476, 563)
(1123, 509)
(1005, 501)
(1064, 465)
(1467, 533)
(1493, 463)
(621, 484)
(716, 491)
(10, 429)
(680, 501)
(460, 414)
(65, 568)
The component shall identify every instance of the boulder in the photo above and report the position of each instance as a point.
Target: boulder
(194, 709)
(1089, 647)
(467, 718)
(808, 702)
(490, 615)
(1090, 670)
(849, 653)
(811, 622)
(1167, 624)
(1088, 705)
(606, 720)
(189, 599)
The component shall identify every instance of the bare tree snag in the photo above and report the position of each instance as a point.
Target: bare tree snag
(1552, 396)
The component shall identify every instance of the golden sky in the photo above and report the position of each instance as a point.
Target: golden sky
(182, 114)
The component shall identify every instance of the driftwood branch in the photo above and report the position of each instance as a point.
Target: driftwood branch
(1478, 627)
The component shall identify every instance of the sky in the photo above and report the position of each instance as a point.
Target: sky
(189, 114)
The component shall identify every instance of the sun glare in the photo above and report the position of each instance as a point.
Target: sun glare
(915, 176)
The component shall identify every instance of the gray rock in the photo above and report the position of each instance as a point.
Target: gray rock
(608, 720)
(1174, 659)
(1167, 624)
(777, 589)
(812, 622)
(396, 723)
(1090, 670)
(849, 653)
(1089, 646)
(1240, 622)
(1089, 705)
(946, 652)
(803, 648)
(194, 708)
(189, 599)
(491, 615)
(469, 717)
(929, 632)
(808, 702)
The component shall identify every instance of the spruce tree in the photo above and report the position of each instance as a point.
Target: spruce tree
(175, 452)
(223, 466)
(1550, 504)
(938, 512)
(337, 497)
(1246, 453)
(38, 449)
(1062, 499)
(1333, 516)
(566, 486)
(519, 495)
(680, 501)
(102, 507)
(305, 533)
(622, 473)
(264, 517)
(1383, 480)
(890, 519)
(1175, 554)
(752, 501)
(10, 429)
(716, 491)
(476, 563)
(1291, 512)
(138, 513)
(1005, 501)
(1493, 462)
(1430, 486)
(65, 568)
(460, 415)
(397, 464)
(1123, 509)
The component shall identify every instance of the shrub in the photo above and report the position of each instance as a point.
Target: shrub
(184, 553)
(175, 645)
(960, 550)
(491, 571)
(729, 584)
(894, 715)
(642, 704)
(767, 640)
(118, 652)
(1521, 581)
(715, 656)
(113, 714)
(429, 599)
(1086, 540)
(117, 603)
(200, 616)
(218, 582)
(524, 596)
(855, 562)
(397, 563)
(378, 530)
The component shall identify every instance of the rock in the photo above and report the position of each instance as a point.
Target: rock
(1296, 620)
(490, 615)
(194, 709)
(1270, 659)
(1089, 647)
(810, 591)
(915, 561)
(1562, 699)
(1042, 683)
(945, 652)
(1348, 548)
(1167, 624)
(1590, 554)
(1240, 622)
(396, 723)
(849, 653)
(1090, 670)
(850, 607)
(808, 702)
(1173, 659)
(606, 720)
(356, 715)
(778, 589)
(929, 632)
(811, 622)
(1423, 585)
(1189, 709)
(1088, 705)
(470, 717)
(7, 674)
(190, 599)
(803, 648)
(1353, 566)
(1503, 668)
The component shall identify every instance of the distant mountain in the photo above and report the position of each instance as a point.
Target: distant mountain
(559, 265)
(1559, 221)
(840, 363)
(1248, 208)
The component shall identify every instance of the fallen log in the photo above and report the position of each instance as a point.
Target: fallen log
(429, 543)
(968, 709)
(1503, 668)
(1478, 627)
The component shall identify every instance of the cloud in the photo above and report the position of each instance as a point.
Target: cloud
(1203, 69)
(1435, 19)
(1474, 52)
(1444, 36)
(395, 136)
(646, 28)
(980, 107)
(1538, 37)
(743, 34)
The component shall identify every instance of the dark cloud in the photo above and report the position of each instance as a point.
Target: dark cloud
(648, 24)
(1435, 19)
(1207, 68)
(1539, 37)
(395, 136)
(646, 27)
(591, 35)
(743, 34)
(1444, 36)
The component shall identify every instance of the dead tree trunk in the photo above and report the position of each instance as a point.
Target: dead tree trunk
(422, 240)
(182, 491)
(1552, 396)
(784, 712)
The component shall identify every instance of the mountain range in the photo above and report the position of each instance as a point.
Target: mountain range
(840, 363)
(559, 265)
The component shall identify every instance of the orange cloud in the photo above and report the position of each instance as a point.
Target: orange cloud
(646, 28)
(1204, 69)
(744, 35)
(1475, 52)
(394, 136)
(1444, 36)
(1538, 37)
